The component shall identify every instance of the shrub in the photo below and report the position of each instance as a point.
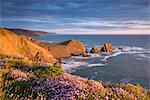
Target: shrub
(49, 70)
(14, 62)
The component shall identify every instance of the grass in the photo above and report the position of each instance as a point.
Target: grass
(18, 63)
(49, 70)
(22, 89)
(19, 89)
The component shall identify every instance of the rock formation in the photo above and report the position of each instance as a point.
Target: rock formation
(95, 49)
(14, 45)
(65, 49)
(107, 48)
(122, 49)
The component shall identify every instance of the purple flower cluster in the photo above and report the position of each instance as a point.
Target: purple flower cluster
(68, 87)
(71, 87)
(19, 75)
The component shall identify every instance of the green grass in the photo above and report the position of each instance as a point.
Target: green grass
(19, 89)
(14, 62)
(47, 70)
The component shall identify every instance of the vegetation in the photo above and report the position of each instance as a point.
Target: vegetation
(3, 56)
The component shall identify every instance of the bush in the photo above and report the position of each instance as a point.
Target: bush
(49, 70)
(14, 62)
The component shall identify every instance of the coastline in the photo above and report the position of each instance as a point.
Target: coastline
(71, 86)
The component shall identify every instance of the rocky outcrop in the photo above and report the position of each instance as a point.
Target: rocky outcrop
(95, 49)
(65, 49)
(86, 55)
(107, 48)
(14, 45)
(122, 49)
(75, 47)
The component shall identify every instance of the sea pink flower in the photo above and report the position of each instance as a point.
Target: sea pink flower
(19, 75)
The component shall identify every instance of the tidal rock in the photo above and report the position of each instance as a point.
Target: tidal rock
(95, 49)
(122, 49)
(107, 47)
(86, 55)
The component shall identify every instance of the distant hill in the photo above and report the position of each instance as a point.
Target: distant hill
(28, 32)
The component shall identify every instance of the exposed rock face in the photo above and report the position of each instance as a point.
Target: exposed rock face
(65, 49)
(107, 48)
(18, 46)
(75, 47)
(95, 49)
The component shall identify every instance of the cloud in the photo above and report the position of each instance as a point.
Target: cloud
(82, 15)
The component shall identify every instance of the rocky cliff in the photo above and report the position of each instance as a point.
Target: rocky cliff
(18, 46)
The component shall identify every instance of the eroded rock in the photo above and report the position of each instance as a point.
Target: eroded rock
(95, 49)
(107, 47)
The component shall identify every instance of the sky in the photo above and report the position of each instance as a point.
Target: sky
(77, 16)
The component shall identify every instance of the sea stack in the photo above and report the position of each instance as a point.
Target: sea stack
(107, 47)
(95, 49)
(122, 49)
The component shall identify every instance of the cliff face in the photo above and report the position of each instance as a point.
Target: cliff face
(19, 46)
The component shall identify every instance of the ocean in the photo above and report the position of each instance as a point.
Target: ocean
(131, 66)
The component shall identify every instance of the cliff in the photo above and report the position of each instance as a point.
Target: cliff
(19, 46)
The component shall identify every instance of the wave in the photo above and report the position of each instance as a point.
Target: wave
(112, 55)
(76, 62)
(99, 64)
(72, 66)
(143, 56)
(126, 80)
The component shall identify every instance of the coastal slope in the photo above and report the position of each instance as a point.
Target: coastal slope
(26, 32)
(14, 45)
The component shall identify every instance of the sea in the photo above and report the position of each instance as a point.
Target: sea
(130, 66)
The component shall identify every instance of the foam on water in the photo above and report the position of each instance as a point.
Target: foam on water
(126, 80)
(75, 62)
(99, 64)
(144, 56)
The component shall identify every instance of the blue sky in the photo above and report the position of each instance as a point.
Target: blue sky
(77, 16)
